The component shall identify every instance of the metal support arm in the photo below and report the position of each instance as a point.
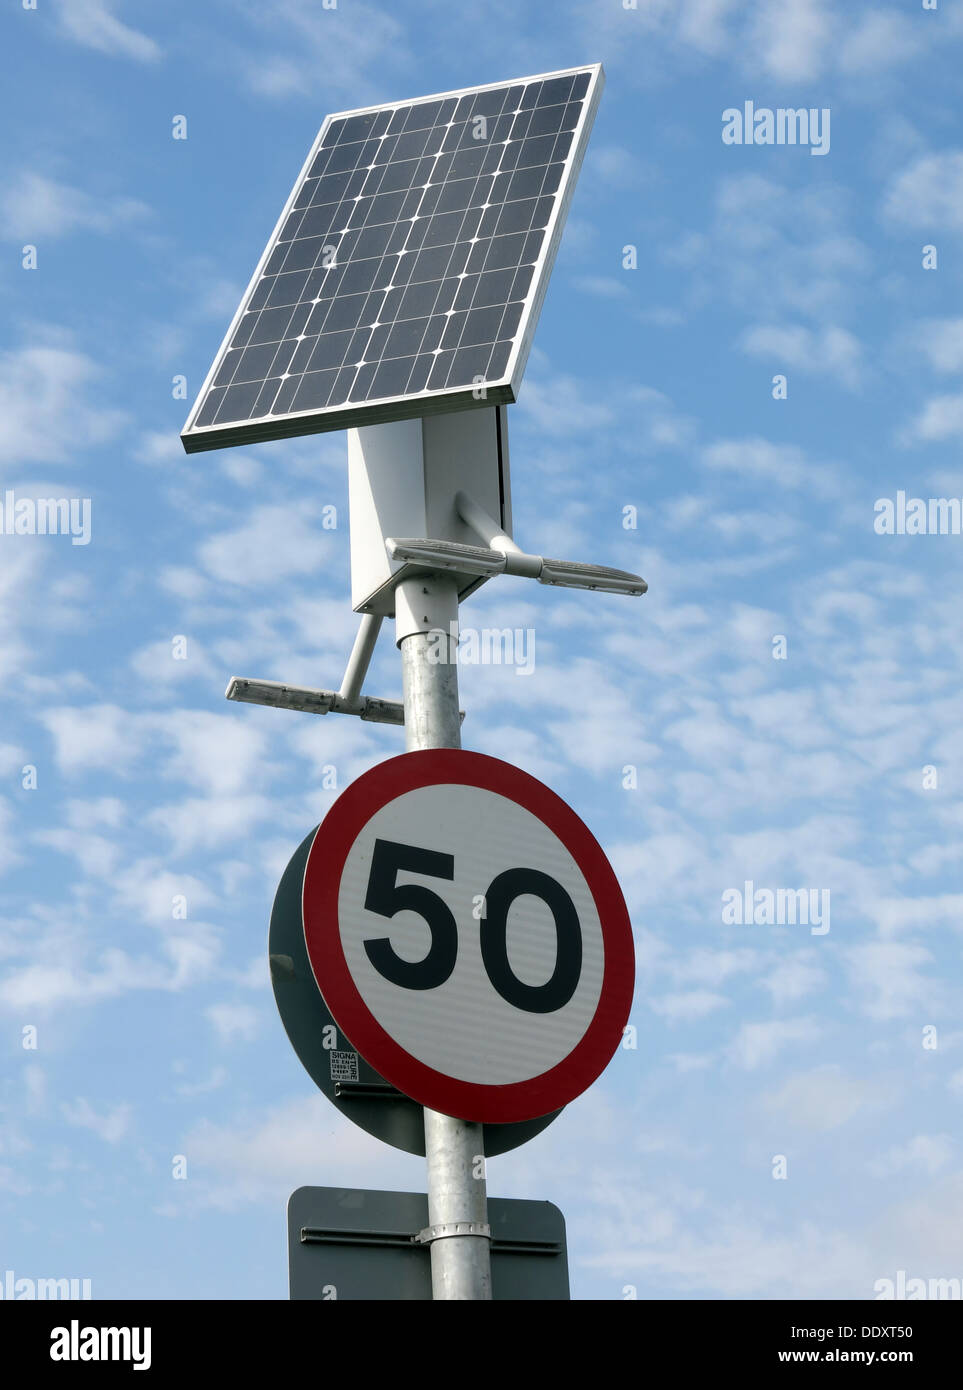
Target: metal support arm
(500, 555)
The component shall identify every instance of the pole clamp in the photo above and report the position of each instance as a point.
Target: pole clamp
(453, 1228)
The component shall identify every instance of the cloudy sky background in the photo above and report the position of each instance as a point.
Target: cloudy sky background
(648, 388)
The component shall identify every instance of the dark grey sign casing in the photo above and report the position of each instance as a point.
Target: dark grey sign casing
(347, 1243)
(358, 1091)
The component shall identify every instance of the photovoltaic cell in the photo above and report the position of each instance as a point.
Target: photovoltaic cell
(407, 270)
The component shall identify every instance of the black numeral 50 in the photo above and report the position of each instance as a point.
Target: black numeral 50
(387, 898)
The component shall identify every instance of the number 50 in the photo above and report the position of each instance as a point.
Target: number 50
(387, 898)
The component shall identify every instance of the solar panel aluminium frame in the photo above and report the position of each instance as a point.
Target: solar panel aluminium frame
(425, 402)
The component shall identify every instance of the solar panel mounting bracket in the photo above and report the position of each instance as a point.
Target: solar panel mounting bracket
(403, 478)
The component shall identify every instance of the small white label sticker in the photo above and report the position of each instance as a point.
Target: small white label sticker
(344, 1065)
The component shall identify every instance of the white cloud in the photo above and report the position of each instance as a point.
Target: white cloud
(767, 243)
(320, 744)
(887, 976)
(93, 736)
(689, 1005)
(219, 753)
(660, 868)
(157, 665)
(879, 39)
(183, 582)
(792, 979)
(792, 715)
(233, 1021)
(702, 23)
(617, 167)
(729, 1250)
(829, 350)
(690, 1061)
(193, 955)
(604, 287)
(12, 759)
(35, 1084)
(202, 823)
(599, 730)
(656, 424)
(48, 985)
(263, 1156)
(34, 208)
(110, 1127)
(719, 1253)
(705, 966)
(941, 340)
(255, 973)
(557, 407)
(293, 42)
(13, 1183)
(96, 856)
(243, 469)
(47, 413)
(928, 194)
(214, 1082)
(561, 406)
(101, 810)
(93, 24)
(9, 854)
(792, 41)
(771, 529)
(941, 418)
(820, 1099)
(925, 1153)
(523, 748)
(275, 543)
(896, 914)
(785, 465)
(146, 892)
(758, 1043)
(159, 446)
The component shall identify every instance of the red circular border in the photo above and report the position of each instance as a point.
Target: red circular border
(520, 1100)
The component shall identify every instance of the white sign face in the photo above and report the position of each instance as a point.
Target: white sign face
(466, 1025)
(468, 934)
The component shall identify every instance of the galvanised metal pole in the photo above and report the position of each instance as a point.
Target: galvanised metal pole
(457, 1199)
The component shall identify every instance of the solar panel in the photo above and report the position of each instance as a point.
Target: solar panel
(408, 267)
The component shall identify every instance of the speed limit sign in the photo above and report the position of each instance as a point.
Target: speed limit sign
(469, 935)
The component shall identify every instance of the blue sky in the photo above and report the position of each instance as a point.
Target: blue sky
(838, 768)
